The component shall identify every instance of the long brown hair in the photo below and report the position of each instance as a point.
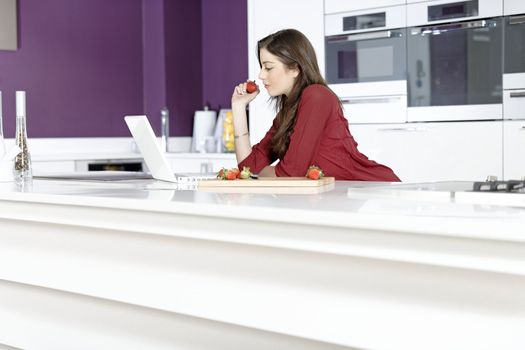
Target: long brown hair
(295, 51)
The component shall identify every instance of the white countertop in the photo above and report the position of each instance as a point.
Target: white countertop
(346, 205)
(346, 266)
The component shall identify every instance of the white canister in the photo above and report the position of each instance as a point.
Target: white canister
(203, 126)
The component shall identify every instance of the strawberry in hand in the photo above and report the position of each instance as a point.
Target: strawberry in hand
(251, 87)
(314, 172)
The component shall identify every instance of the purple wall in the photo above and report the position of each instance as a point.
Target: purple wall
(225, 49)
(183, 43)
(80, 63)
(87, 63)
(154, 58)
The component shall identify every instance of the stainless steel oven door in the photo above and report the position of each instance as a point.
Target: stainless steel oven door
(455, 71)
(365, 57)
(368, 72)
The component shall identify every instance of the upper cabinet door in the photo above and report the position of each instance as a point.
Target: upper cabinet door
(333, 6)
(8, 37)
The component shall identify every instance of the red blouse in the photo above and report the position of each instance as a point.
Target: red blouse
(320, 137)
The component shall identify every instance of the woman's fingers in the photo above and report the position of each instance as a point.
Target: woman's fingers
(240, 89)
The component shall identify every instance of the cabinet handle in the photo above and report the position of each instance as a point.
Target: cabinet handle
(360, 36)
(370, 100)
(408, 129)
(449, 27)
(517, 94)
(517, 20)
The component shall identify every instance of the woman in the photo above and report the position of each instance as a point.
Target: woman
(310, 128)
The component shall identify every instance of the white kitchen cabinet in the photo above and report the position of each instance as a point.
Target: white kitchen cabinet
(201, 163)
(190, 165)
(269, 16)
(514, 104)
(217, 164)
(513, 7)
(419, 152)
(333, 6)
(46, 167)
(514, 149)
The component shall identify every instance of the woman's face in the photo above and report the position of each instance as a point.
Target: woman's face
(276, 77)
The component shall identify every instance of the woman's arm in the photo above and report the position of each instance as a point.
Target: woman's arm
(260, 156)
(240, 100)
(243, 147)
(268, 171)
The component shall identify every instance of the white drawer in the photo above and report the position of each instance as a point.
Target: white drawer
(43, 167)
(514, 104)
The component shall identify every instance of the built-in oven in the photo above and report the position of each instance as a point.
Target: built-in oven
(365, 57)
(514, 63)
(454, 60)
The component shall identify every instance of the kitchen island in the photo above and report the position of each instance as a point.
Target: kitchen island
(150, 265)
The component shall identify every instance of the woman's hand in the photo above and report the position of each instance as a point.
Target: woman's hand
(240, 97)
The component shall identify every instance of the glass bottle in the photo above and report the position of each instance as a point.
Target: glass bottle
(164, 128)
(23, 159)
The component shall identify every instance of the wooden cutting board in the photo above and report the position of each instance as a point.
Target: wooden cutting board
(268, 182)
(268, 190)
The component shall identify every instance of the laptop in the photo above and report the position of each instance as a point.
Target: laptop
(154, 156)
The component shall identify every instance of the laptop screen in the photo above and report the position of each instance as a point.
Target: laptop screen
(146, 141)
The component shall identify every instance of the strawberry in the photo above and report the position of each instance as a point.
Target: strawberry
(314, 172)
(221, 173)
(251, 87)
(231, 175)
(235, 171)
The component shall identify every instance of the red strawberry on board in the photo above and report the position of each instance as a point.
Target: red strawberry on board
(314, 172)
(231, 175)
(235, 171)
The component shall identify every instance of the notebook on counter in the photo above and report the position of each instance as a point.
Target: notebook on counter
(153, 155)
